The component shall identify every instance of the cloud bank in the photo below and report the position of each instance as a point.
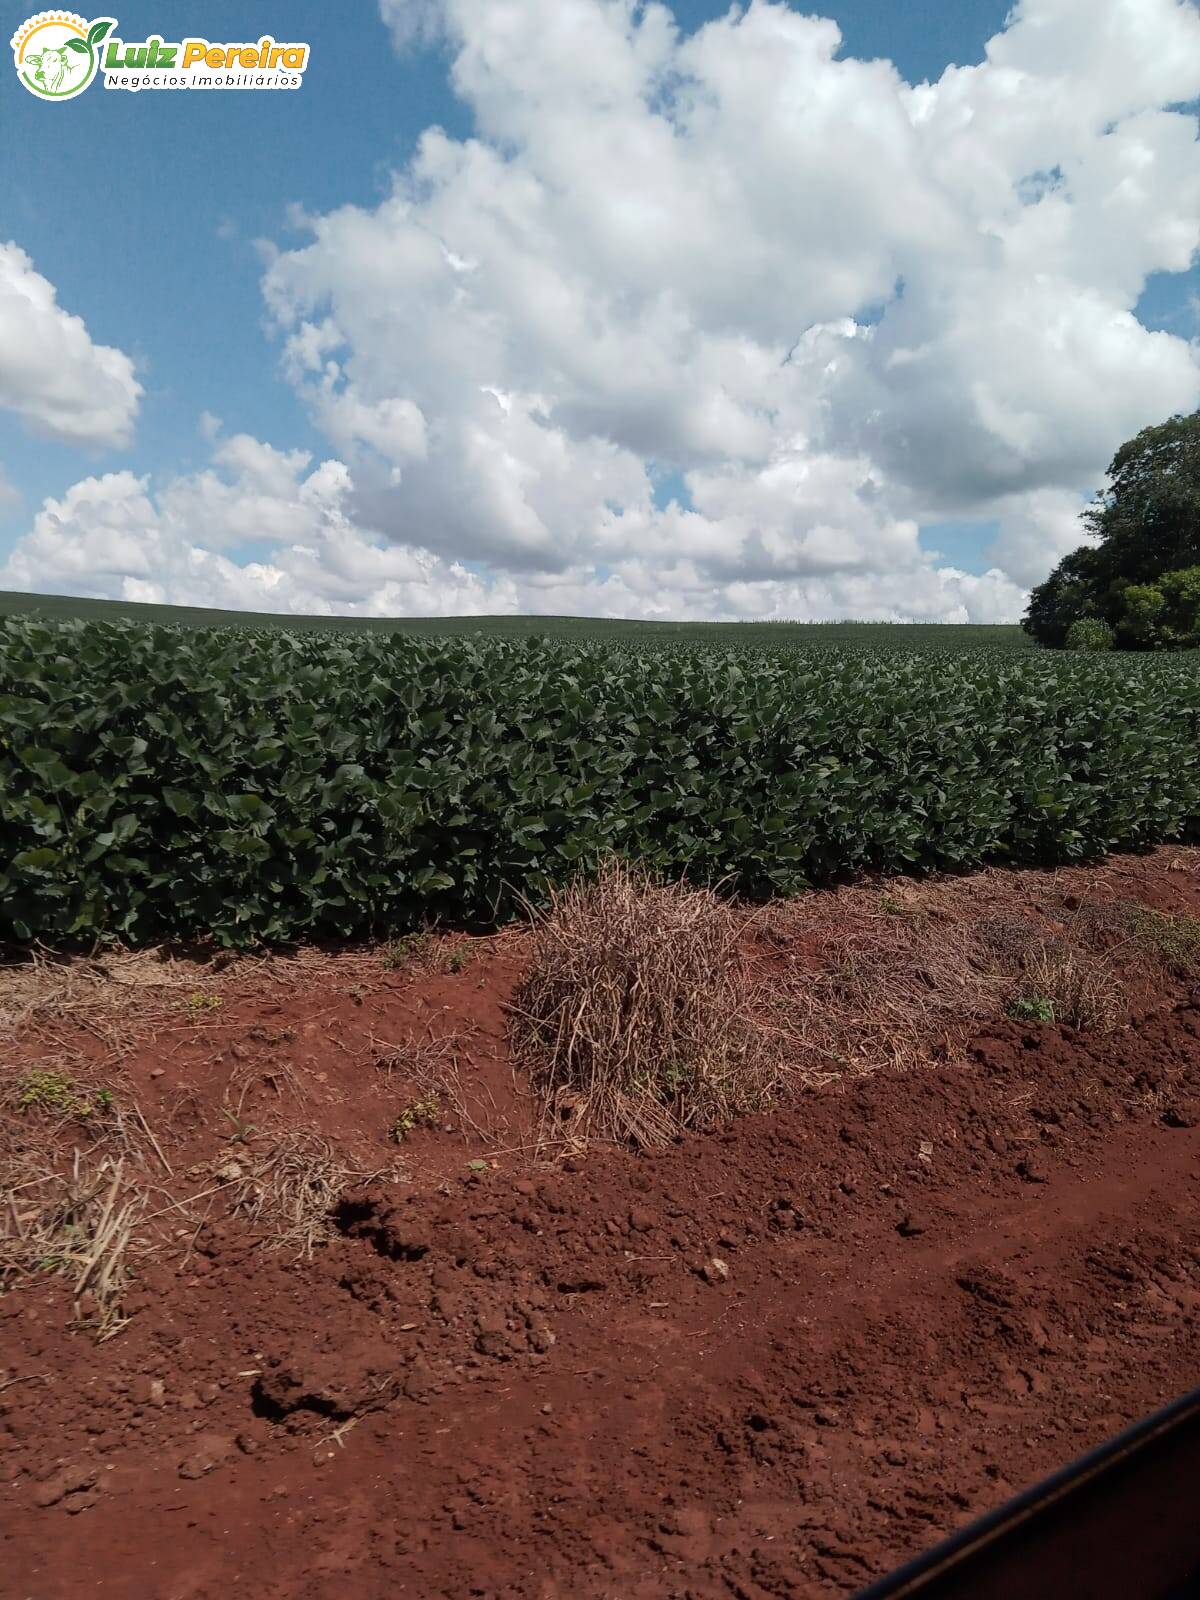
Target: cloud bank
(117, 536)
(709, 325)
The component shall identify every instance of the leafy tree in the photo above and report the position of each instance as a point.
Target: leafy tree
(1183, 600)
(1068, 595)
(1164, 615)
(1138, 575)
(1089, 633)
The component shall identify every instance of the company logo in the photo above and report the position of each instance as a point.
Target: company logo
(57, 54)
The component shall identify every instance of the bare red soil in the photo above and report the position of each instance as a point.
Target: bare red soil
(769, 1361)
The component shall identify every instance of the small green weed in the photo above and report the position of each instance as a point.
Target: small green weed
(1031, 1008)
(892, 907)
(56, 1095)
(676, 1079)
(242, 1131)
(417, 1114)
(200, 1002)
(423, 946)
(411, 948)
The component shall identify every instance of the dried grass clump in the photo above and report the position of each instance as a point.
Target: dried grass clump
(637, 1018)
(44, 1105)
(290, 1191)
(1007, 938)
(121, 997)
(882, 990)
(78, 1223)
(1082, 989)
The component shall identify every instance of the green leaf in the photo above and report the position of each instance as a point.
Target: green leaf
(38, 860)
(98, 30)
(428, 879)
(124, 828)
(183, 805)
(250, 806)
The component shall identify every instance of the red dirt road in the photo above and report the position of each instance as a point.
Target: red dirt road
(526, 1382)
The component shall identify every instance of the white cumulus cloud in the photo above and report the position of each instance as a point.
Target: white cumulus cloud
(52, 373)
(120, 537)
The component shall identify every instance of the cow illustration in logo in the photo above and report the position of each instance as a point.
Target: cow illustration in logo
(57, 53)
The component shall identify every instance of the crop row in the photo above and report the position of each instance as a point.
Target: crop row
(159, 783)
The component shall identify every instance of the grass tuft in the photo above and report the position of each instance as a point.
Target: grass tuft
(403, 952)
(1172, 940)
(1079, 989)
(636, 1020)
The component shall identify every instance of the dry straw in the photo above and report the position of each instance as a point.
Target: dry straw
(884, 990)
(637, 1017)
(79, 1223)
(1081, 988)
(290, 1191)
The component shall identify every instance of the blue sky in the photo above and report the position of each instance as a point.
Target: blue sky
(153, 217)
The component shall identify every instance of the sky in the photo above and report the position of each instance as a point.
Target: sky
(598, 307)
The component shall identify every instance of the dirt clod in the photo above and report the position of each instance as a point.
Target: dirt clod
(208, 1451)
(336, 1382)
(66, 1481)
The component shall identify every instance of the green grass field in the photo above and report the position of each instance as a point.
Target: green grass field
(887, 635)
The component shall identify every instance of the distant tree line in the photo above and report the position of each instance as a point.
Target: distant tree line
(1136, 586)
